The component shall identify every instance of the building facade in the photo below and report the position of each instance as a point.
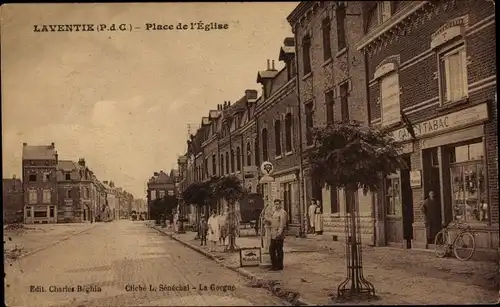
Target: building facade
(159, 186)
(277, 116)
(39, 164)
(12, 200)
(331, 87)
(451, 47)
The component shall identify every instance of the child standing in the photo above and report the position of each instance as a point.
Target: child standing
(203, 230)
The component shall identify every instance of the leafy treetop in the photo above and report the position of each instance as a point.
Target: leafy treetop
(352, 156)
(230, 189)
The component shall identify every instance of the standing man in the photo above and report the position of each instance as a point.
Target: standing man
(431, 210)
(278, 225)
(312, 215)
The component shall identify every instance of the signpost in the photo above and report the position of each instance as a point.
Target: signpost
(267, 169)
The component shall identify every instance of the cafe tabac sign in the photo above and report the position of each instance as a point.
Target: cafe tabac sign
(444, 123)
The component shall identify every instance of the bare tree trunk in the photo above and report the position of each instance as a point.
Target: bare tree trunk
(232, 228)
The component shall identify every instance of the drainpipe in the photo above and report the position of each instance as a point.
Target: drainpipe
(301, 180)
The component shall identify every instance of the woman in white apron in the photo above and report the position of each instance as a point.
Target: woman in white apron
(213, 231)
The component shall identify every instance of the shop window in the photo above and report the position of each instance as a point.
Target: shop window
(469, 194)
(453, 74)
(41, 213)
(161, 194)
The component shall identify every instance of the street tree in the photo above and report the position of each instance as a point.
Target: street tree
(163, 207)
(200, 194)
(352, 157)
(231, 190)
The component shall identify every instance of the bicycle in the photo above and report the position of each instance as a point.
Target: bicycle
(463, 240)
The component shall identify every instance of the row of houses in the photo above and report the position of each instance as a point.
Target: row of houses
(431, 62)
(60, 191)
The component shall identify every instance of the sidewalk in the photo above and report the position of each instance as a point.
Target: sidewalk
(34, 237)
(314, 268)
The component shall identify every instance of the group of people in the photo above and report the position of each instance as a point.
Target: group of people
(213, 230)
(315, 218)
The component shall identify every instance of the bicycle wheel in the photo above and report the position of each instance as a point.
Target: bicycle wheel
(464, 246)
(441, 243)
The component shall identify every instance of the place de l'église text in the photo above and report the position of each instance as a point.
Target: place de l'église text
(124, 27)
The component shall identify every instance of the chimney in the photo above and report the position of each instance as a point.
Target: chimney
(81, 161)
(52, 145)
(228, 103)
(57, 157)
(155, 173)
(289, 42)
(25, 144)
(268, 65)
(105, 182)
(14, 176)
(273, 66)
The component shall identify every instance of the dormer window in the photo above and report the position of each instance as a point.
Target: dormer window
(384, 11)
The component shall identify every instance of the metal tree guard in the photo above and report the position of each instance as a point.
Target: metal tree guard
(355, 284)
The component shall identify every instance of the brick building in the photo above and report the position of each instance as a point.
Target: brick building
(436, 62)
(39, 165)
(75, 185)
(277, 117)
(12, 200)
(331, 88)
(159, 185)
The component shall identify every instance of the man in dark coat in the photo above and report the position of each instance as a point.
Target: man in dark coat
(431, 210)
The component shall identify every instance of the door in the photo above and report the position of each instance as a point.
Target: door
(407, 203)
(393, 210)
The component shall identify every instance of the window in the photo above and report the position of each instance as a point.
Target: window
(28, 211)
(227, 162)
(288, 132)
(277, 137)
(161, 194)
(238, 159)
(340, 16)
(52, 211)
(170, 193)
(384, 11)
(468, 182)
(249, 154)
(46, 177)
(32, 178)
(453, 70)
(41, 213)
(306, 54)
(309, 123)
(232, 160)
(327, 49)
(334, 200)
(68, 176)
(389, 96)
(287, 200)
(264, 144)
(153, 194)
(68, 193)
(222, 164)
(33, 197)
(329, 107)
(344, 102)
(47, 196)
(214, 165)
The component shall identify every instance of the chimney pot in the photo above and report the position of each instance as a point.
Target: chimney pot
(25, 144)
(52, 145)
(14, 176)
(273, 66)
(268, 65)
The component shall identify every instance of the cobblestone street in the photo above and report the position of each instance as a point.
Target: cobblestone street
(111, 256)
(315, 268)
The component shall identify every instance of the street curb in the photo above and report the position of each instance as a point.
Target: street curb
(298, 301)
(54, 243)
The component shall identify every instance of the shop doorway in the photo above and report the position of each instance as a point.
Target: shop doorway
(407, 202)
(432, 182)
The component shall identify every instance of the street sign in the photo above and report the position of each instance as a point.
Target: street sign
(250, 256)
(267, 168)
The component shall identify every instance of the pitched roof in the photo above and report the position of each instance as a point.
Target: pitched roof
(67, 165)
(39, 152)
(161, 178)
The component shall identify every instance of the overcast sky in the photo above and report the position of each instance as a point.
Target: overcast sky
(123, 100)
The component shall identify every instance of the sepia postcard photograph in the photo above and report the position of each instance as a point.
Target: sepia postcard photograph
(249, 153)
